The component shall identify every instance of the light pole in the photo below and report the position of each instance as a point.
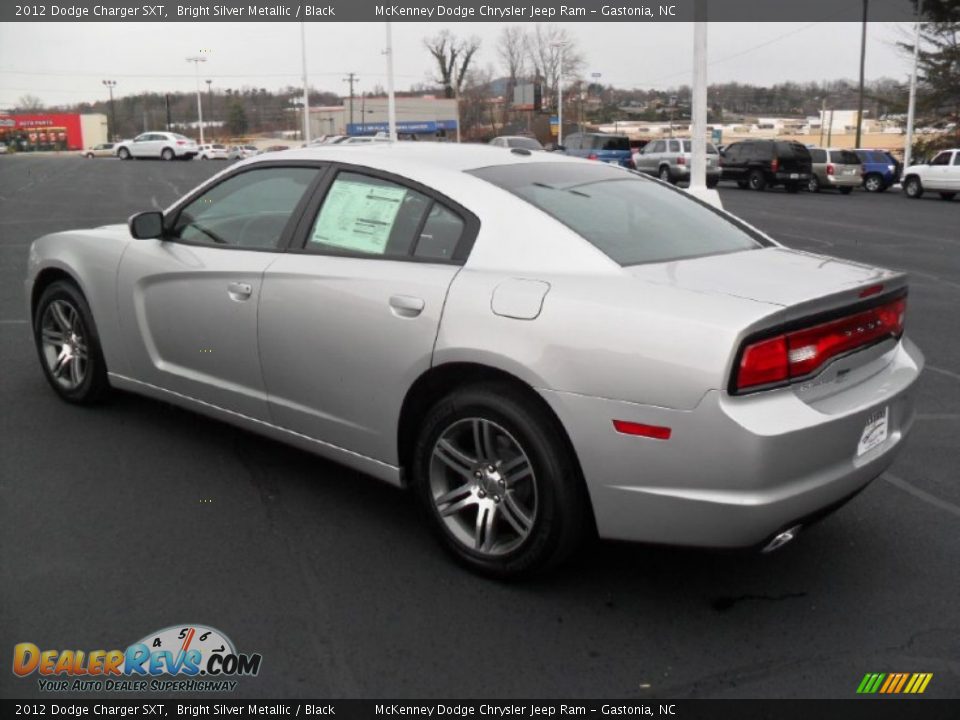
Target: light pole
(196, 60)
(456, 95)
(306, 92)
(561, 46)
(912, 105)
(391, 98)
(113, 115)
(210, 99)
(863, 56)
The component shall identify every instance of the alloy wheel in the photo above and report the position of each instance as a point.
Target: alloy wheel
(64, 344)
(483, 486)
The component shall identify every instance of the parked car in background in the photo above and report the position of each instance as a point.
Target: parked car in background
(101, 150)
(363, 140)
(163, 145)
(644, 367)
(276, 148)
(942, 174)
(759, 164)
(517, 141)
(834, 169)
(669, 160)
(880, 169)
(612, 149)
(213, 151)
(239, 152)
(3, 148)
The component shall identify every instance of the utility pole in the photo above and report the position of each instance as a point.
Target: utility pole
(306, 91)
(166, 100)
(196, 60)
(456, 95)
(863, 55)
(352, 78)
(698, 102)
(823, 117)
(210, 99)
(391, 97)
(113, 115)
(561, 46)
(912, 106)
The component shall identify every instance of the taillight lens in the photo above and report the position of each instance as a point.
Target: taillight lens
(181, 142)
(681, 160)
(800, 353)
(592, 156)
(774, 165)
(830, 169)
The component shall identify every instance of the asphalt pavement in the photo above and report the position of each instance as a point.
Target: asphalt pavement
(124, 519)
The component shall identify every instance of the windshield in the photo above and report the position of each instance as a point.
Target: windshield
(629, 218)
(614, 142)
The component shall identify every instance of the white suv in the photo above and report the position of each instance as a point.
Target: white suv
(163, 145)
(213, 151)
(942, 174)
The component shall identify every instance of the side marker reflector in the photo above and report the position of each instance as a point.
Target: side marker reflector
(651, 431)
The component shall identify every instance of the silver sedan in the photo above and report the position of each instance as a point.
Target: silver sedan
(541, 348)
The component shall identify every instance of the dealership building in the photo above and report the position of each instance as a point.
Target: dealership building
(52, 131)
(425, 117)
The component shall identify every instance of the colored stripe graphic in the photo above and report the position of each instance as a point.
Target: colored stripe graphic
(894, 683)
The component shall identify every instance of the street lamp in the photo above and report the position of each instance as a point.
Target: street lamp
(306, 91)
(113, 115)
(196, 60)
(561, 46)
(210, 98)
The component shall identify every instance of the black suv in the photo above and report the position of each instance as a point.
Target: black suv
(759, 164)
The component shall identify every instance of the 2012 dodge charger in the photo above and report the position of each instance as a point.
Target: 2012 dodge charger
(540, 347)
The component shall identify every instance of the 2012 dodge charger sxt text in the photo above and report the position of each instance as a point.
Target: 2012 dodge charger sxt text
(539, 346)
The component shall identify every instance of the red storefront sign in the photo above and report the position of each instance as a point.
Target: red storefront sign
(58, 128)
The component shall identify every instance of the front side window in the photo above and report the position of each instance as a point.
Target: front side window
(630, 219)
(956, 158)
(941, 159)
(247, 210)
(658, 147)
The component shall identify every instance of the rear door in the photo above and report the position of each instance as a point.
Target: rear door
(188, 302)
(348, 320)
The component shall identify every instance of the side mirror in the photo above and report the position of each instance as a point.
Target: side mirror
(146, 225)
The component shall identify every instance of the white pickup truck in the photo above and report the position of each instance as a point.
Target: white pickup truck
(942, 174)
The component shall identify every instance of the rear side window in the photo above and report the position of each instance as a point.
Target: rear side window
(615, 142)
(630, 219)
(843, 157)
(788, 151)
(688, 147)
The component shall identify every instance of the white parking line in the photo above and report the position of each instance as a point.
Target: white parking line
(921, 494)
(13, 322)
(938, 416)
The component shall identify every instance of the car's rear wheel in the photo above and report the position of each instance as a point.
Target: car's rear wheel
(123, 154)
(167, 154)
(913, 188)
(873, 183)
(757, 180)
(813, 184)
(68, 344)
(948, 195)
(665, 175)
(712, 182)
(498, 482)
(846, 190)
(89, 156)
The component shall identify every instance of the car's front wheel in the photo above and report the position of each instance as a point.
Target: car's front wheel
(68, 344)
(665, 175)
(913, 188)
(167, 154)
(124, 154)
(498, 482)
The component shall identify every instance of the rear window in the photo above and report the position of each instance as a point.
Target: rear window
(818, 156)
(614, 142)
(629, 218)
(219, 147)
(787, 150)
(844, 157)
(688, 147)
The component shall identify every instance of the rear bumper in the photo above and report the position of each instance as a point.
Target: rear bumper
(842, 180)
(735, 470)
(794, 177)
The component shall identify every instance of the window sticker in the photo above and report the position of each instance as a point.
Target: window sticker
(357, 216)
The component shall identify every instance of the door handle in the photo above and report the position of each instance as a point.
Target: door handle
(406, 305)
(239, 291)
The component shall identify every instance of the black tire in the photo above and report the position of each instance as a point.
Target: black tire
(846, 190)
(167, 154)
(743, 184)
(124, 154)
(712, 182)
(664, 174)
(89, 156)
(913, 188)
(204, 157)
(873, 182)
(94, 385)
(792, 187)
(560, 514)
(813, 184)
(947, 195)
(757, 180)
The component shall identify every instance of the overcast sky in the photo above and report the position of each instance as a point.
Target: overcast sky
(64, 62)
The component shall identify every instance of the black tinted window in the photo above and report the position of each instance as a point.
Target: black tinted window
(522, 142)
(941, 159)
(631, 219)
(956, 158)
(843, 157)
(614, 142)
(440, 235)
(818, 156)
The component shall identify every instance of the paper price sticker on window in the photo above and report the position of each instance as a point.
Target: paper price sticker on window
(358, 216)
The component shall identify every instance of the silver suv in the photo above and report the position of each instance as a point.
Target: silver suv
(669, 160)
(835, 168)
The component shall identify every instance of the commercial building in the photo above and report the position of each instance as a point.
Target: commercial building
(52, 131)
(426, 117)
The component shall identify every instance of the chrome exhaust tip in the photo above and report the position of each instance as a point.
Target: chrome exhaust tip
(782, 539)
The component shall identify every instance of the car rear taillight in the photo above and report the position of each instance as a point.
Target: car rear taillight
(795, 355)
(181, 142)
(592, 156)
(631, 164)
(681, 160)
(774, 164)
(830, 169)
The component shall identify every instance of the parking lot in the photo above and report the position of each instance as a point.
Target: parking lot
(127, 518)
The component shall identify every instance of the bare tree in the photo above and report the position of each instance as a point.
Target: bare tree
(452, 55)
(29, 103)
(545, 44)
(512, 50)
